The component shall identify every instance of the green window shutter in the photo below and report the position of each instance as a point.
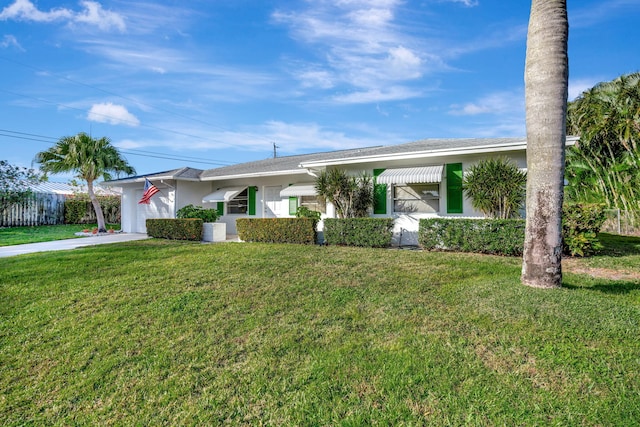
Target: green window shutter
(379, 194)
(293, 205)
(252, 201)
(220, 208)
(454, 188)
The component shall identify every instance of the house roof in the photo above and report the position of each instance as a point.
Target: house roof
(274, 166)
(180, 174)
(428, 148)
(303, 163)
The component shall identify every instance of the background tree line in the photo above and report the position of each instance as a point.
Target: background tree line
(604, 165)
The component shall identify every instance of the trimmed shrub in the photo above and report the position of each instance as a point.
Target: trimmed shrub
(175, 229)
(305, 212)
(367, 232)
(581, 223)
(486, 236)
(277, 230)
(190, 211)
(79, 210)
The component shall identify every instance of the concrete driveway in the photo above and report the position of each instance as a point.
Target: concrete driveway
(62, 245)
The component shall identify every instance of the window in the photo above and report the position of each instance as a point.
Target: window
(239, 204)
(314, 203)
(416, 198)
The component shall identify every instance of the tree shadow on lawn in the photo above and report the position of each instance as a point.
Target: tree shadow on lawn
(607, 286)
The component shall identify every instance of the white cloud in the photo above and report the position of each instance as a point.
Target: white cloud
(467, 3)
(359, 44)
(92, 14)
(112, 114)
(495, 103)
(396, 93)
(24, 10)
(8, 41)
(316, 78)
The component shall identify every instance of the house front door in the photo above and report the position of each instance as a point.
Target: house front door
(272, 202)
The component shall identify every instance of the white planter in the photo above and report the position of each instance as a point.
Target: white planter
(214, 232)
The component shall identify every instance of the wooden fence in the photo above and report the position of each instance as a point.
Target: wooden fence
(37, 209)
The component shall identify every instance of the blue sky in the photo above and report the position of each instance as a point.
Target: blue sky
(207, 83)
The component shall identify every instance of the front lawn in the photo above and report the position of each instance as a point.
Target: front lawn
(43, 233)
(173, 333)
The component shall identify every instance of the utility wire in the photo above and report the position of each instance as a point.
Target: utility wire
(111, 117)
(133, 152)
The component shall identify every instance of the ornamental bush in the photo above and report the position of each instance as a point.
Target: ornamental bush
(367, 232)
(581, 223)
(277, 230)
(190, 211)
(496, 187)
(175, 229)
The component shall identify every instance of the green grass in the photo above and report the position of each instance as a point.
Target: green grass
(43, 233)
(171, 333)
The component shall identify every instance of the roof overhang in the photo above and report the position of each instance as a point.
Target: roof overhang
(223, 194)
(426, 174)
(255, 175)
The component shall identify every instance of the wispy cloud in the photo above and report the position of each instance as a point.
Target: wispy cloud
(10, 41)
(494, 103)
(91, 13)
(112, 114)
(291, 137)
(360, 45)
(467, 3)
(596, 13)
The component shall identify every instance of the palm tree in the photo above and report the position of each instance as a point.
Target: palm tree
(607, 120)
(90, 158)
(546, 80)
(351, 196)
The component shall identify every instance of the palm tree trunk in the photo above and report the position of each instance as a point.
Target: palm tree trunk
(96, 207)
(546, 81)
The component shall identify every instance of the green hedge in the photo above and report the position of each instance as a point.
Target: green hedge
(175, 229)
(487, 236)
(581, 223)
(277, 230)
(368, 232)
(79, 210)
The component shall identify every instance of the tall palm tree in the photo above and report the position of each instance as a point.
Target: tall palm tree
(546, 81)
(90, 159)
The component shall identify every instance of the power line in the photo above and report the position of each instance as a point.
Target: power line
(111, 117)
(133, 152)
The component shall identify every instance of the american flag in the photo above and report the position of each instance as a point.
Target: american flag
(149, 191)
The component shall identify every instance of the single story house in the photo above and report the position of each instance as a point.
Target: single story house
(414, 180)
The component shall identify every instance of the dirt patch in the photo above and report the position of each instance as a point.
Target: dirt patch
(571, 265)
